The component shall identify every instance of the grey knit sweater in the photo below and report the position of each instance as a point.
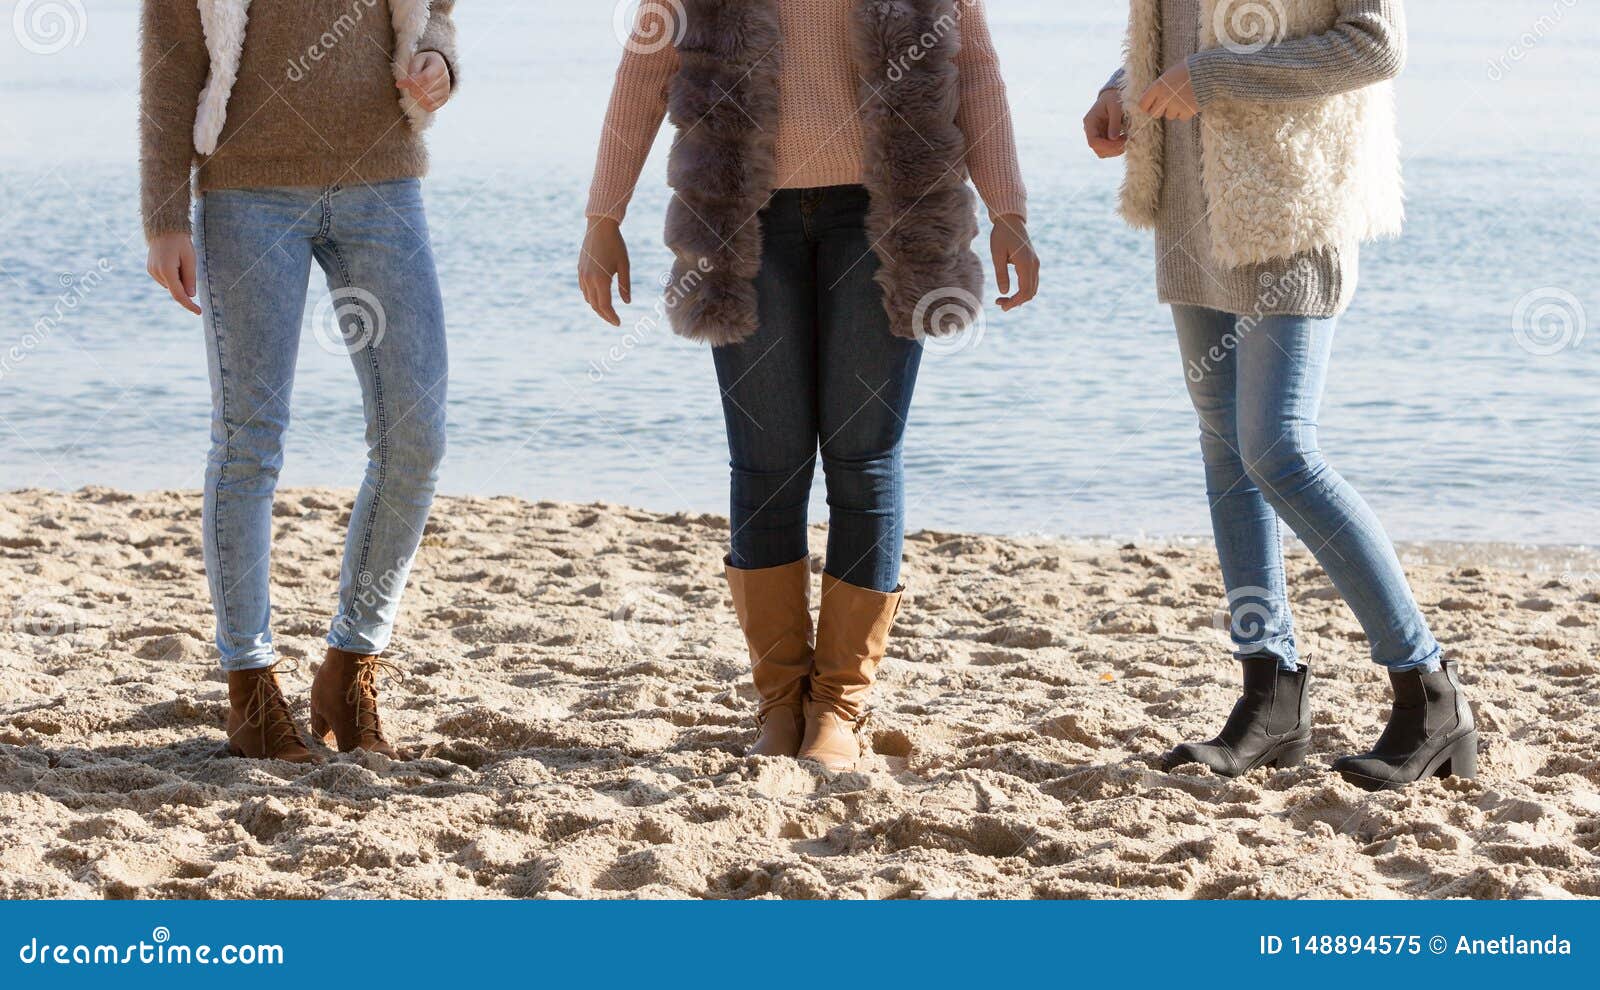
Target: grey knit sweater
(1365, 47)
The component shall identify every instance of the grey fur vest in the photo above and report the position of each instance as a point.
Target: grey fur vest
(724, 102)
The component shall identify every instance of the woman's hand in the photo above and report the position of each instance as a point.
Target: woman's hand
(170, 262)
(603, 255)
(1104, 125)
(1009, 244)
(1172, 96)
(428, 81)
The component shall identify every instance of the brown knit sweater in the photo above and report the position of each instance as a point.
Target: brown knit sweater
(315, 103)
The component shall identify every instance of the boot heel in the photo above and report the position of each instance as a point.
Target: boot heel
(1462, 760)
(320, 729)
(1292, 756)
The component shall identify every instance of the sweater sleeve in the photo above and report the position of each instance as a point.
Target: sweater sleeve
(173, 69)
(633, 118)
(440, 36)
(984, 117)
(1366, 45)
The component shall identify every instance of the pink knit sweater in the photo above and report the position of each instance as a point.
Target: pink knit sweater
(819, 139)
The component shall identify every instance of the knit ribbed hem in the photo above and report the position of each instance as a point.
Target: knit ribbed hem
(408, 162)
(1206, 71)
(1318, 284)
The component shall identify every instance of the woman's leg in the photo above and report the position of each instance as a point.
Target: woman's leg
(254, 252)
(864, 393)
(1282, 369)
(768, 400)
(1244, 525)
(867, 376)
(768, 384)
(385, 312)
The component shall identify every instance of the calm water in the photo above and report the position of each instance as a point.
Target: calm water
(1067, 417)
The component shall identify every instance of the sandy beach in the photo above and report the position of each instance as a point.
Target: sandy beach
(578, 687)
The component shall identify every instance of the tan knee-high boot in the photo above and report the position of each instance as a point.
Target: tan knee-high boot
(774, 607)
(852, 635)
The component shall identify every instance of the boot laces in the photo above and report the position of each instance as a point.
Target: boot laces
(268, 709)
(363, 694)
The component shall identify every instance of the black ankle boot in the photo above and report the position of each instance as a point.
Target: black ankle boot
(1271, 724)
(1430, 733)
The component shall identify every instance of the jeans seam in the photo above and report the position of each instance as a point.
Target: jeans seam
(222, 413)
(383, 450)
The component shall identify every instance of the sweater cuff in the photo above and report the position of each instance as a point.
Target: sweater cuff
(167, 212)
(449, 64)
(1208, 72)
(1013, 204)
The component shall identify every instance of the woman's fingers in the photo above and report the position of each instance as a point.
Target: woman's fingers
(1028, 275)
(624, 282)
(597, 292)
(1002, 270)
(178, 287)
(428, 80)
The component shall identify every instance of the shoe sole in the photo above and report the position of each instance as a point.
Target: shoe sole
(1457, 759)
(1282, 755)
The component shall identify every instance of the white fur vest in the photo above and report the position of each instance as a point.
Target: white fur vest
(1279, 179)
(224, 22)
(724, 102)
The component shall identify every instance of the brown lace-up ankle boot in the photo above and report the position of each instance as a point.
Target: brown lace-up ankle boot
(260, 726)
(344, 702)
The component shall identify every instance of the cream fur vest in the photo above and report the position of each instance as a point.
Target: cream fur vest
(1279, 179)
(724, 102)
(224, 22)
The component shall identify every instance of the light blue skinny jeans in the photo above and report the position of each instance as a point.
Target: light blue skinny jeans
(1257, 384)
(255, 249)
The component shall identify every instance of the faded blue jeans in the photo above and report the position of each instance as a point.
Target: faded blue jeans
(255, 249)
(1257, 385)
(822, 371)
